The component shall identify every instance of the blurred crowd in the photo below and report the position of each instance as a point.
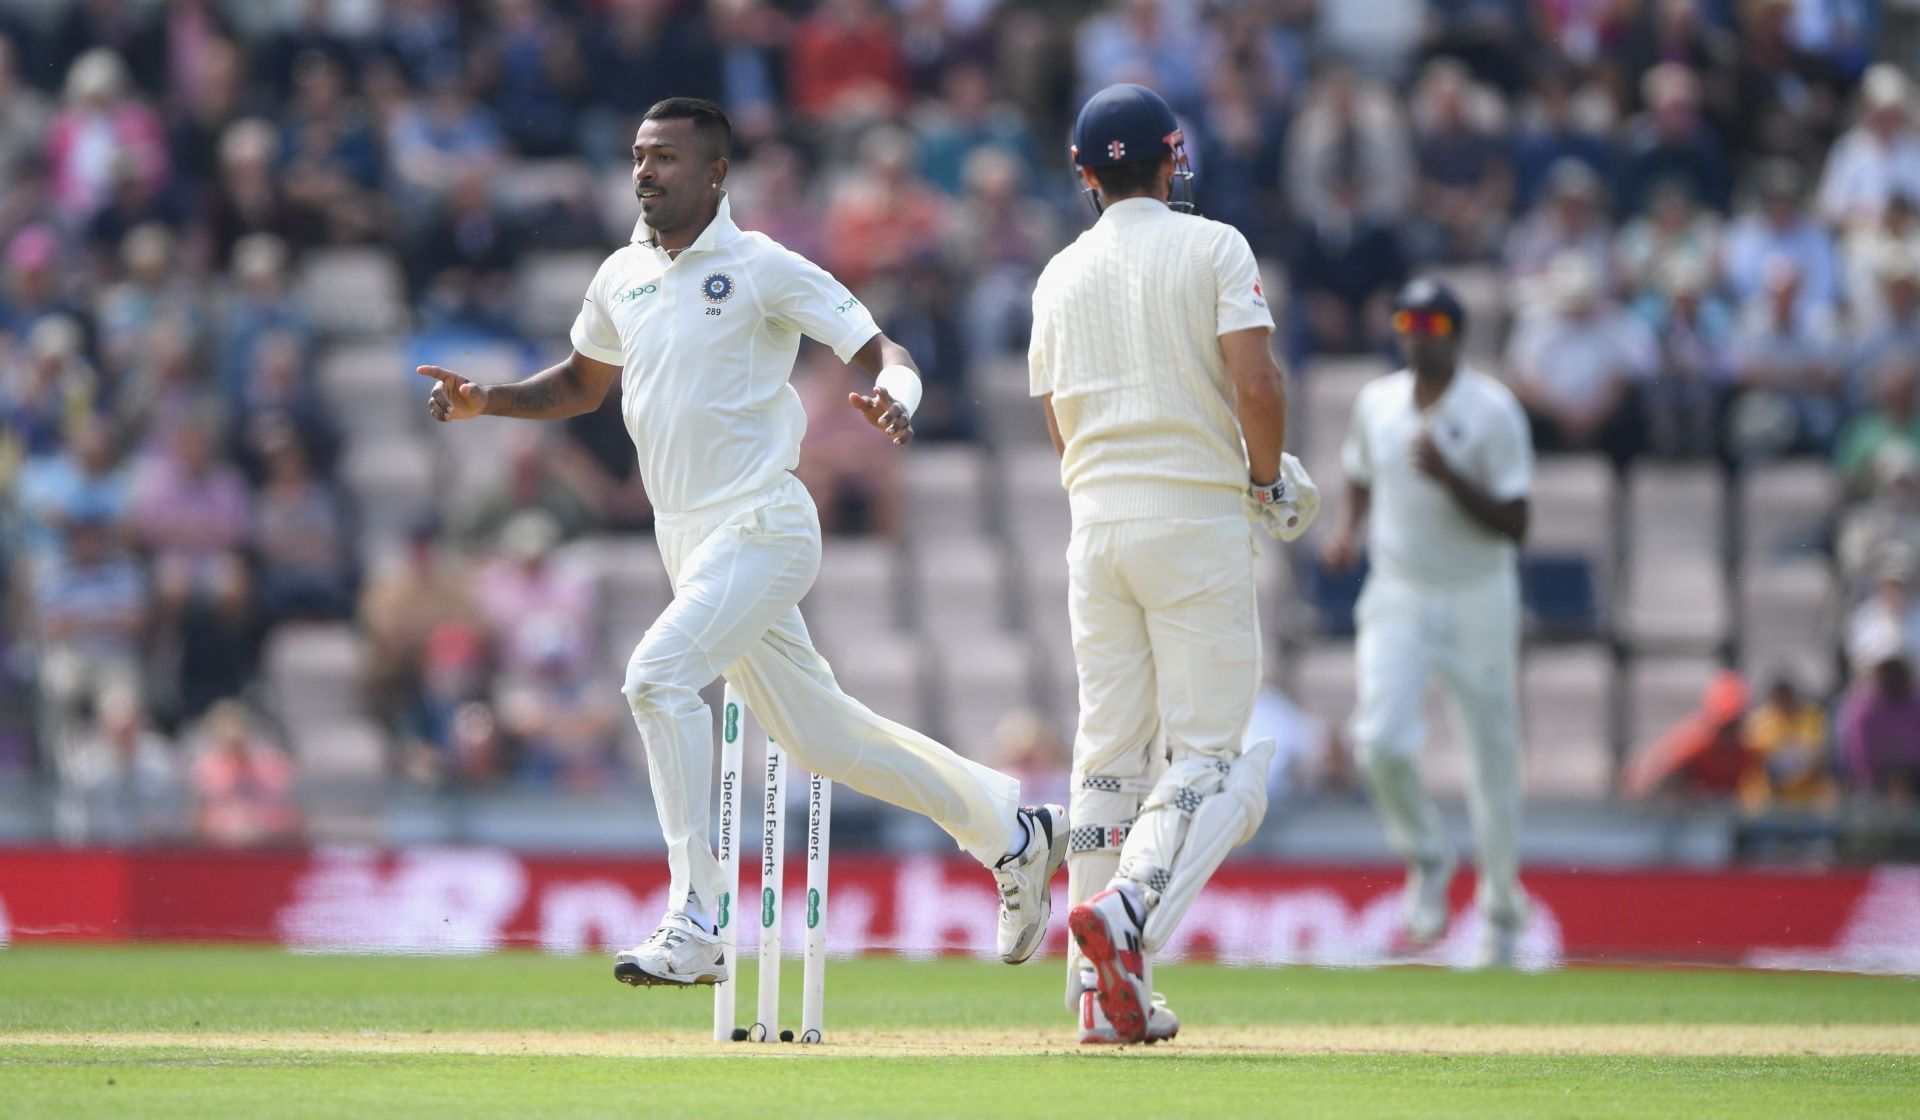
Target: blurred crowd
(1792, 775)
(1702, 218)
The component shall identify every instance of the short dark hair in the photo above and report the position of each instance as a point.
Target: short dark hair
(1136, 177)
(709, 121)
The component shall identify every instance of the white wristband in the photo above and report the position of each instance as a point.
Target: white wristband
(902, 384)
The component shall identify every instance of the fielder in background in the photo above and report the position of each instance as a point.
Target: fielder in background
(1439, 464)
(1151, 355)
(701, 321)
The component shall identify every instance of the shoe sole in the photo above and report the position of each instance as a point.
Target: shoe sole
(1056, 856)
(633, 975)
(1148, 1039)
(1119, 999)
(1404, 946)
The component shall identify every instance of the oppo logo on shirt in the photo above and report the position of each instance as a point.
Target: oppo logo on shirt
(632, 294)
(847, 306)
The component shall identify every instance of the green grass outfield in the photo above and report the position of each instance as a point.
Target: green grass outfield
(199, 1032)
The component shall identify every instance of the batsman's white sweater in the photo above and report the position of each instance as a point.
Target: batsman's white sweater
(1126, 326)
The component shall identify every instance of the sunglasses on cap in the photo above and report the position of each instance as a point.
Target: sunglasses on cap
(1434, 324)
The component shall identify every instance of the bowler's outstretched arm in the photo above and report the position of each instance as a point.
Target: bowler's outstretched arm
(570, 388)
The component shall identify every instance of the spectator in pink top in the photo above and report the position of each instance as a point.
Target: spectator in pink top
(242, 783)
(192, 511)
(101, 127)
(526, 597)
(1880, 716)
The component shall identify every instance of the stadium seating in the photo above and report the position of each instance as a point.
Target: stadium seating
(961, 589)
(1566, 692)
(977, 683)
(1791, 614)
(547, 288)
(369, 390)
(353, 292)
(1663, 689)
(1676, 590)
(946, 492)
(393, 483)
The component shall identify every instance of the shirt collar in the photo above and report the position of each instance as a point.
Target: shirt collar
(718, 232)
(1138, 204)
(1446, 394)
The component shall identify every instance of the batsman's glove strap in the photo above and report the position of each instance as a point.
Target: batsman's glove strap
(1288, 506)
(1278, 493)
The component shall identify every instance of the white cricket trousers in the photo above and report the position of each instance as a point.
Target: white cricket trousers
(1470, 636)
(738, 573)
(1167, 641)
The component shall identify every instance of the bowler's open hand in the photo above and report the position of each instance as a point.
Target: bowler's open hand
(453, 396)
(884, 413)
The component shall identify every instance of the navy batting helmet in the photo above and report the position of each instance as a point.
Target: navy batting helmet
(1427, 306)
(1126, 123)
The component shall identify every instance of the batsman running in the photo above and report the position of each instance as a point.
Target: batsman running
(1439, 464)
(701, 321)
(1151, 355)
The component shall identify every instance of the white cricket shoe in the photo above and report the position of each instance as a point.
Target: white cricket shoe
(1424, 906)
(1108, 933)
(1026, 901)
(1162, 1023)
(679, 954)
(1499, 946)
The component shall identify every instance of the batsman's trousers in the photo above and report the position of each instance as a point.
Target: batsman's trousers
(1166, 638)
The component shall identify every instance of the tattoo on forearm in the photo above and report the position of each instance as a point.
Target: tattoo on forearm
(535, 396)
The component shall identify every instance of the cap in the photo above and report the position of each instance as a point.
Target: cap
(529, 534)
(1876, 641)
(1896, 462)
(1569, 177)
(1684, 274)
(1572, 278)
(1426, 294)
(1121, 124)
(1883, 87)
(1894, 563)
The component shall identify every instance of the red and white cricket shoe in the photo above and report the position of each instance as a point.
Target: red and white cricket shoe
(1162, 1023)
(1108, 933)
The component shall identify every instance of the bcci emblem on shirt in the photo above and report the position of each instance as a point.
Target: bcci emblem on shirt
(718, 288)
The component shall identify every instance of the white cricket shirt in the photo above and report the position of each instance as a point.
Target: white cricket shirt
(1126, 336)
(706, 343)
(1416, 530)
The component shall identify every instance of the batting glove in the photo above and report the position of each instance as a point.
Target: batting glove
(1286, 508)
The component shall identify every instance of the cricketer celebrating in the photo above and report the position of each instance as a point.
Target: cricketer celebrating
(1439, 464)
(1150, 353)
(701, 321)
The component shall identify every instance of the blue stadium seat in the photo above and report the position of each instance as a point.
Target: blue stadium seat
(1558, 593)
(1333, 595)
